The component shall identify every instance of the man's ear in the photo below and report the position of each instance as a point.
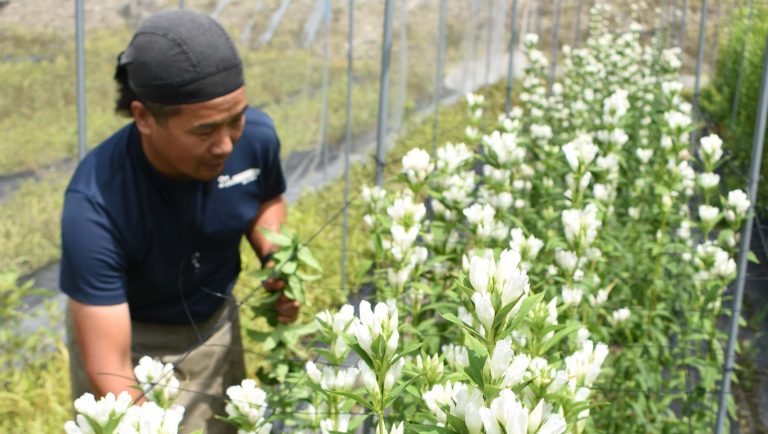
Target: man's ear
(145, 122)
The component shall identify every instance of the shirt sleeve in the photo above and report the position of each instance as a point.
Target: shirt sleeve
(92, 261)
(272, 178)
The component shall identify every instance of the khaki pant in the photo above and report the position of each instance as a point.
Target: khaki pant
(204, 374)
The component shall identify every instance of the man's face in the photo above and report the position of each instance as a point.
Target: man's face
(195, 143)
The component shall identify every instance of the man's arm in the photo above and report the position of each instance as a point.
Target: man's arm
(272, 216)
(103, 334)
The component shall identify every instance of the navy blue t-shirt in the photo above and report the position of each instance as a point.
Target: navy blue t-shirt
(131, 234)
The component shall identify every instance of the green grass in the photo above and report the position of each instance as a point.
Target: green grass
(29, 224)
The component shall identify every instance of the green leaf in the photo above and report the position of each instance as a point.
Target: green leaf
(305, 256)
(427, 429)
(308, 277)
(454, 319)
(525, 307)
(752, 257)
(355, 398)
(276, 238)
(289, 267)
(411, 348)
(558, 336)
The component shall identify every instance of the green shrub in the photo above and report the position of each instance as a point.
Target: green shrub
(717, 98)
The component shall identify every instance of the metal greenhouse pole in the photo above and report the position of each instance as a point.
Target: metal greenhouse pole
(746, 238)
(489, 43)
(324, 109)
(80, 54)
(511, 64)
(181, 4)
(439, 75)
(683, 18)
(386, 54)
(577, 33)
(347, 145)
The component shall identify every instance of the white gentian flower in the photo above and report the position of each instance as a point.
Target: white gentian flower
(452, 157)
(481, 271)
(368, 378)
(738, 205)
(478, 214)
(249, 402)
(381, 321)
(417, 166)
(509, 279)
(709, 214)
(474, 100)
(541, 132)
(157, 380)
(666, 142)
(101, 413)
(566, 260)
(580, 152)
(506, 414)
(504, 147)
(456, 356)
(405, 211)
(676, 120)
(472, 133)
(709, 180)
(644, 155)
(711, 148)
(484, 309)
(571, 296)
(584, 365)
(150, 418)
(581, 226)
(441, 397)
(393, 374)
(621, 315)
(615, 107)
(328, 426)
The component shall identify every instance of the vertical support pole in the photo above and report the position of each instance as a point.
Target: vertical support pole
(746, 238)
(699, 61)
(439, 75)
(488, 43)
(386, 54)
(80, 54)
(181, 4)
(511, 64)
(577, 33)
(324, 109)
(740, 77)
(555, 45)
(683, 19)
(348, 143)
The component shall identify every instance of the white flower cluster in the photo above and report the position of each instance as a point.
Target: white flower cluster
(331, 379)
(95, 416)
(527, 247)
(247, 405)
(506, 282)
(157, 380)
(417, 166)
(581, 226)
(335, 326)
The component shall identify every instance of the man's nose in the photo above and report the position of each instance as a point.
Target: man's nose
(223, 144)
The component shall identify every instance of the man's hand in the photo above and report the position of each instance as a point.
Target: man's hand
(287, 309)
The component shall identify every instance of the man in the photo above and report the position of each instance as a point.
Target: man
(154, 216)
